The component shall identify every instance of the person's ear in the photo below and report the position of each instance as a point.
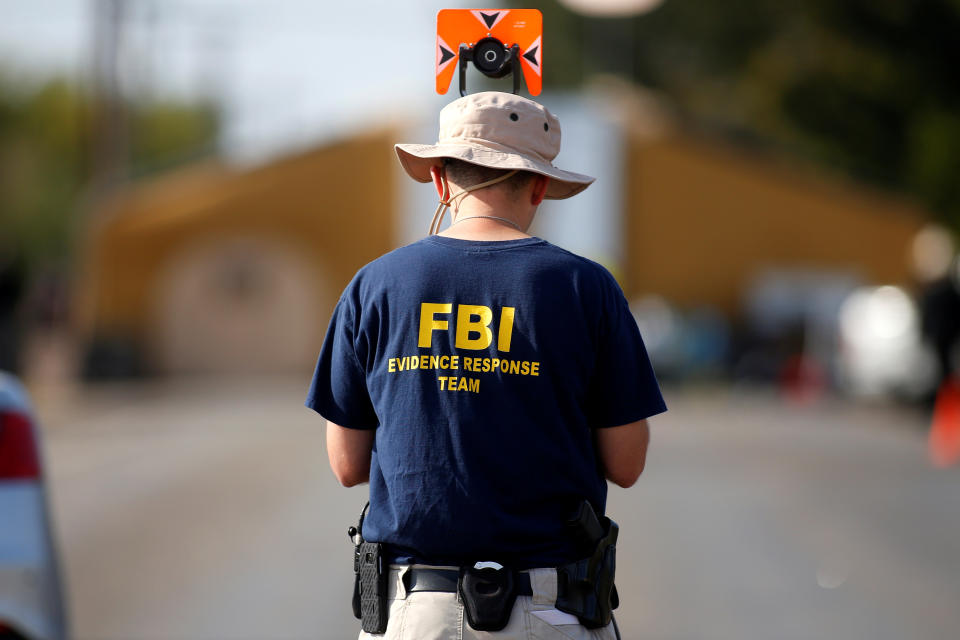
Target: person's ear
(436, 172)
(539, 192)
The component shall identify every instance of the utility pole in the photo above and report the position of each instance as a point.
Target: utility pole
(109, 145)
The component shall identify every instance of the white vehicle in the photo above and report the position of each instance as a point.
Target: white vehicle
(881, 348)
(31, 602)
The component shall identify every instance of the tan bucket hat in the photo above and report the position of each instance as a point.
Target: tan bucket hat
(497, 130)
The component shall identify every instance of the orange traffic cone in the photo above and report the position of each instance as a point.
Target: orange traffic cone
(944, 442)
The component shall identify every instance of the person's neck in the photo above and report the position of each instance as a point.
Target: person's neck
(477, 219)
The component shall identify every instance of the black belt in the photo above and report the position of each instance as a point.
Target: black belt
(446, 580)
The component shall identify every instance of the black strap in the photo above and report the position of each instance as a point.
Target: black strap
(363, 514)
(446, 580)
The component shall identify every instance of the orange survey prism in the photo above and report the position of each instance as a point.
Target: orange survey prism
(496, 41)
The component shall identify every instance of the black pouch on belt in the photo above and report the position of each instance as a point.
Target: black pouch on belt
(370, 580)
(488, 591)
(371, 587)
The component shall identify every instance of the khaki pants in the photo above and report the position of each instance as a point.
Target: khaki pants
(429, 615)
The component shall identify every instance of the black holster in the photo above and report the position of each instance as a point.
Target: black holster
(488, 595)
(585, 588)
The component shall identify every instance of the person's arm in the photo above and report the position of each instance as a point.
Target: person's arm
(349, 451)
(623, 451)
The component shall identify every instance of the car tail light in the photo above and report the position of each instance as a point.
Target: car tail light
(18, 449)
(9, 632)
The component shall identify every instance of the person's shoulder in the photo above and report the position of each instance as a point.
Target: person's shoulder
(389, 264)
(579, 264)
(392, 259)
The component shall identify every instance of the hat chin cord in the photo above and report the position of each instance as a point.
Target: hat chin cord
(448, 200)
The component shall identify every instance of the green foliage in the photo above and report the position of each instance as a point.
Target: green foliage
(869, 87)
(46, 150)
(40, 167)
(168, 133)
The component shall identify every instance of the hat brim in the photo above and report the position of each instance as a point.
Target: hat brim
(417, 159)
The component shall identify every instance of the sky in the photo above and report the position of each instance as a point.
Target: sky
(287, 72)
(291, 74)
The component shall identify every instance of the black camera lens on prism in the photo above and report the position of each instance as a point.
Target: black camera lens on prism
(492, 58)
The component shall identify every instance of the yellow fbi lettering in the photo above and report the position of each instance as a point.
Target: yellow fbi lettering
(453, 383)
(428, 323)
(472, 326)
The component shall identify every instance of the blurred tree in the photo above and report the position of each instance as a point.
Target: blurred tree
(166, 134)
(45, 133)
(40, 167)
(869, 87)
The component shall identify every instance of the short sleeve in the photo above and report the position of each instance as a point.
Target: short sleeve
(624, 387)
(338, 391)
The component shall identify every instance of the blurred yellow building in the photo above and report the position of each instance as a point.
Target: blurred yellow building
(209, 269)
(702, 219)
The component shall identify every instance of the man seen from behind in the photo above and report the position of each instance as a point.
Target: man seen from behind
(487, 384)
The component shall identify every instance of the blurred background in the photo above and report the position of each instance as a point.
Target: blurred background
(187, 185)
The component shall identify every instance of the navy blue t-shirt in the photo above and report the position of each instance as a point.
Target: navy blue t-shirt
(484, 367)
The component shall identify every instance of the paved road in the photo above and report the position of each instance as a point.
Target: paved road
(206, 511)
